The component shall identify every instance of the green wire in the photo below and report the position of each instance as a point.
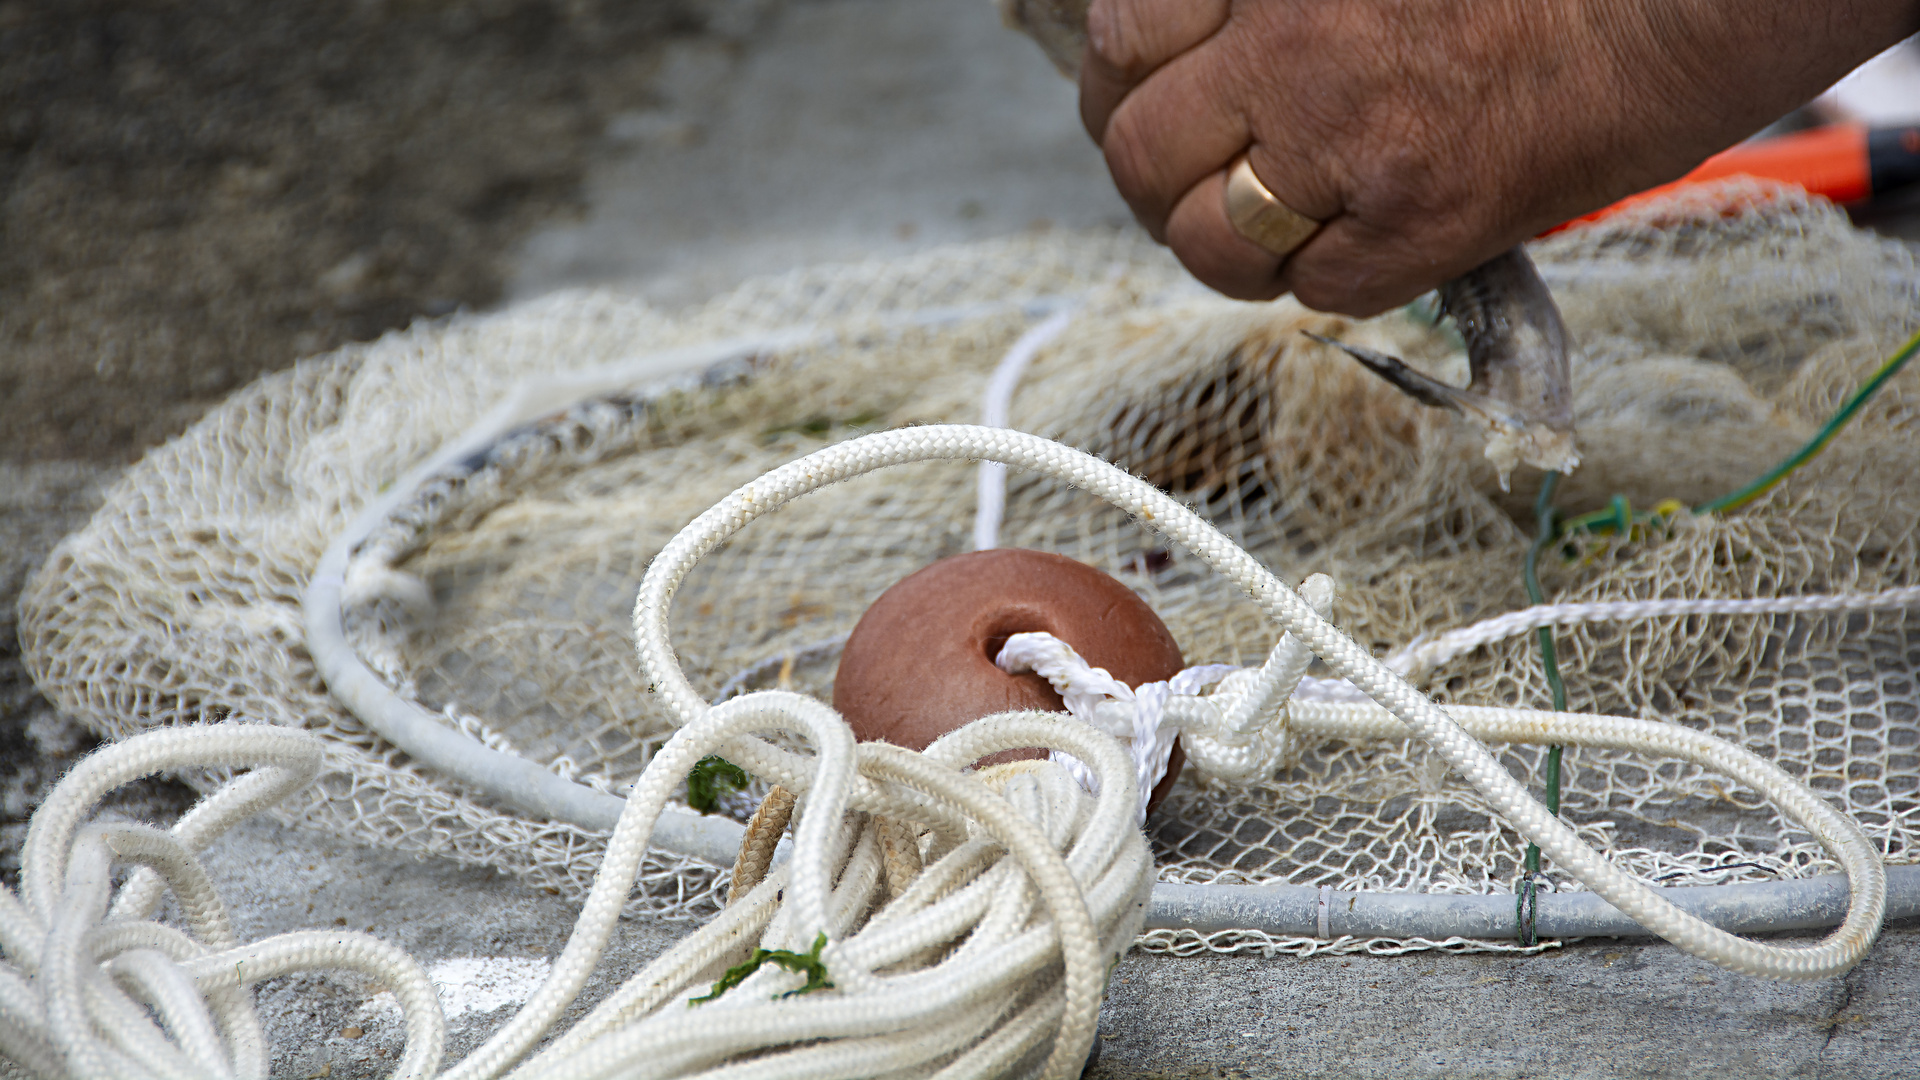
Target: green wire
(1530, 573)
(1619, 517)
(1819, 442)
(1526, 897)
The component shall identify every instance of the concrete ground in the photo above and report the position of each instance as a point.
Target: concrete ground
(1593, 1009)
(836, 128)
(849, 128)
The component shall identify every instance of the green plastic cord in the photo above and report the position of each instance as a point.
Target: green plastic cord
(1526, 897)
(1819, 442)
(1619, 518)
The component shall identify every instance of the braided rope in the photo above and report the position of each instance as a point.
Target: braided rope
(758, 843)
(1348, 660)
(1420, 657)
(999, 947)
(995, 949)
(65, 1013)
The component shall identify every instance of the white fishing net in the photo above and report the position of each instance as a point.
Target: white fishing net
(1715, 335)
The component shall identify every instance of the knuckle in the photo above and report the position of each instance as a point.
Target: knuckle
(1133, 37)
(1113, 35)
(1131, 160)
(1348, 280)
(1353, 291)
(1236, 274)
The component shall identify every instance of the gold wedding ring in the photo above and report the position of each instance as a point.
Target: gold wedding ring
(1260, 217)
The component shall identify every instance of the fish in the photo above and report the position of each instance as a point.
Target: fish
(1520, 393)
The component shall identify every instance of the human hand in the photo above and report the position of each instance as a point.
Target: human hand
(1430, 135)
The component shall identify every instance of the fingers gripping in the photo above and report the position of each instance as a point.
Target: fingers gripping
(1128, 40)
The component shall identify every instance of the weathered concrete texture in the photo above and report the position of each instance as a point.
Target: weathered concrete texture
(484, 938)
(836, 129)
(194, 194)
(852, 128)
(1591, 1009)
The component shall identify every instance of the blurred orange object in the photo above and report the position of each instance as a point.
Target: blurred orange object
(1847, 163)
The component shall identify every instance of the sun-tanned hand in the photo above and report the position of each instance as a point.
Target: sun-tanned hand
(1430, 135)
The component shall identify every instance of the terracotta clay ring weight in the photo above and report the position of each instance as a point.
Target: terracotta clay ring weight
(920, 662)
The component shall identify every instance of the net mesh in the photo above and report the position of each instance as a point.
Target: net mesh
(1716, 333)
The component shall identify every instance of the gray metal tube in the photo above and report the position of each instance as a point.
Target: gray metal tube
(520, 783)
(1294, 910)
(1276, 909)
(524, 785)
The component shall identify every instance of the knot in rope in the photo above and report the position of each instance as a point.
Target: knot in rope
(1136, 715)
(1236, 734)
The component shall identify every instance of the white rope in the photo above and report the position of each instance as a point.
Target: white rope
(1137, 716)
(1348, 660)
(995, 408)
(883, 1022)
(76, 981)
(997, 951)
(1422, 656)
(1095, 700)
(1055, 878)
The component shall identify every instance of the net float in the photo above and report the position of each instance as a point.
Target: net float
(920, 662)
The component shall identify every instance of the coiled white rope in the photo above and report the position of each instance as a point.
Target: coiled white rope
(1348, 660)
(991, 998)
(78, 978)
(994, 953)
(997, 951)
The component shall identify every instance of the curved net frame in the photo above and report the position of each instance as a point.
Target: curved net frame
(1715, 334)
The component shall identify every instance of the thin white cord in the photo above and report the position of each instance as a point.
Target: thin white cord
(1422, 656)
(995, 408)
(1348, 660)
(997, 949)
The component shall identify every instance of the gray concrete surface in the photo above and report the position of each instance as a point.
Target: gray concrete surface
(485, 939)
(850, 127)
(1593, 1009)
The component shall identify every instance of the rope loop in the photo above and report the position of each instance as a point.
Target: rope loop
(1301, 621)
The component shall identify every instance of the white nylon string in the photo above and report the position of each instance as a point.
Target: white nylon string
(1137, 716)
(995, 406)
(1458, 746)
(1420, 657)
(1026, 875)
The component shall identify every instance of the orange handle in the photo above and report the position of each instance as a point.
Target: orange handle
(1831, 162)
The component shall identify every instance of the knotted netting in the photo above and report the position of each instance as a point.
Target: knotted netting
(1715, 334)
